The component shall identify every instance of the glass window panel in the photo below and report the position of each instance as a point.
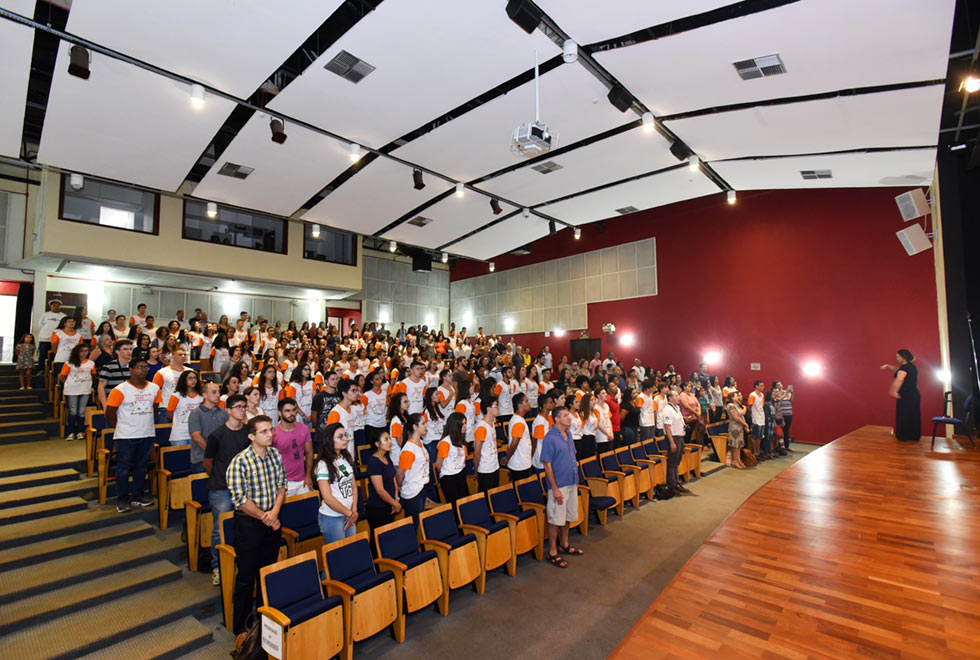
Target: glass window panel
(109, 205)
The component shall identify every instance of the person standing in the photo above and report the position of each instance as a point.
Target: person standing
(203, 420)
(166, 378)
(451, 458)
(76, 379)
(116, 371)
(737, 428)
(48, 323)
(413, 466)
(485, 447)
(757, 415)
(257, 484)
(905, 388)
(295, 444)
(519, 451)
(24, 353)
(674, 429)
(335, 481)
(130, 409)
(561, 471)
(382, 502)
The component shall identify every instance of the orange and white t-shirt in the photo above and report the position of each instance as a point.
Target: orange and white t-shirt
(166, 380)
(182, 407)
(648, 415)
(136, 319)
(338, 415)
(303, 395)
(505, 392)
(470, 410)
(415, 461)
(375, 406)
(659, 405)
(78, 379)
(756, 403)
(395, 431)
(488, 462)
(447, 400)
(539, 429)
(134, 409)
(521, 458)
(63, 343)
(453, 457)
(415, 391)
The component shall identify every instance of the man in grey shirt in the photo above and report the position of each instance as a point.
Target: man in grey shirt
(202, 421)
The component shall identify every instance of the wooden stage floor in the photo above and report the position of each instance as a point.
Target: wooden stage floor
(866, 548)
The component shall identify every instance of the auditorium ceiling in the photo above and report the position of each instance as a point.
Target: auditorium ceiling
(765, 93)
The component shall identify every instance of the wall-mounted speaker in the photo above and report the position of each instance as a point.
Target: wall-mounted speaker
(912, 204)
(914, 239)
(422, 262)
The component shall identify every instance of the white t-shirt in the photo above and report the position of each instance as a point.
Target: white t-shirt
(375, 407)
(340, 416)
(303, 395)
(166, 380)
(521, 458)
(505, 392)
(659, 405)
(602, 419)
(435, 427)
(530, 389)
(447, 400)
(673, 418)
(79, 379)
(182, 406)
(342, 488)
(269, 403)
(488, 460)
(66, 342)
(49, 321)
(539, 429)
(415, 393)
(415, 461)
(757, 404)
(134, 414)
(470, 411)
(645, 403)
(453, 457)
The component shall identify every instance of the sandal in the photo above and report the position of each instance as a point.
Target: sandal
(570, 550)
(556, 560)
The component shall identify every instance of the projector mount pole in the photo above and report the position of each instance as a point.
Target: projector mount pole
(537, 102)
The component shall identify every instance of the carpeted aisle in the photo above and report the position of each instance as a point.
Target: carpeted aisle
(585, 610)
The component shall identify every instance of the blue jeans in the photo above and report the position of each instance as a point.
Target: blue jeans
(76, 412)
(220, 501)
(413, 506)
(132, 455)
(431, 491)
(332, 528)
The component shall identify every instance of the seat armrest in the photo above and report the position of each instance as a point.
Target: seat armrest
(436, 545)
(192, 504)
(390, 564)
(480, 531)
(504, 516)
(165, 473)
(275, 615)
(614, 473)
(294, 536)
(335, 588)
(532, 506)
(225, 549)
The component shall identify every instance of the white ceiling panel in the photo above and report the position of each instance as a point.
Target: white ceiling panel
(228, 44)
(286, 175)
(903, 118)
(502, 237)
(658, 190)
(451, 218)
(15, 68)
(910, 167)
(627, 154)
(587, 21)
(125, 123)
(825, 45)
(357, 205)
(430, 56)
(573, 105)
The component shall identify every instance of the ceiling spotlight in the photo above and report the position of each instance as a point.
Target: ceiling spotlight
(620, 97)
(460, 189)
(78, 62)
(392, 246)
(647, 122)
(355, 152)
(417, 178)
(731, 196)
(315, 231)
(212, 210)
(526, 212)
(569, 51)
(525, 14)
(77, 181)
(445, 257)
(971, 84)
(495, 206)
(493, 267)
(694, 163)
(278, 134)
(197, 96)
(552, 228)
(578, 233)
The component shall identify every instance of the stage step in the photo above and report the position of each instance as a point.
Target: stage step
(94, 628)
(17, 437)
(28, 480)
(49, 425)
(181, 639)
(87, 488)
(36, 511)
(39, 455)
(214, 651)
(20, 415)
(41, 608)
(65, 570)
(23, 554)
(34, 531)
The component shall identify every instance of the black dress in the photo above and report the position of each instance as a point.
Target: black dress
(908, 417)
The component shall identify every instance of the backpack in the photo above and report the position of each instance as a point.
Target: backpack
(248, 645)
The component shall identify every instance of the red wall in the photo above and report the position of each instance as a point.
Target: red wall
(779, 278)
(346, 315)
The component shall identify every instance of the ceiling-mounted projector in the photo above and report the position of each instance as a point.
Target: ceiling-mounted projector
(533, 138)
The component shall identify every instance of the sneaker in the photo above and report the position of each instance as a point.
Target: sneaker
(215, 578)
(122, 507)
(143, 500)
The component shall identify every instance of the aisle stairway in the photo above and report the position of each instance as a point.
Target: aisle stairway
(78, 579)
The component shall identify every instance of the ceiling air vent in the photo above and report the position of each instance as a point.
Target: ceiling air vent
(815, 174)
(767, 65)
(547, 168)
(626, 210)
(522, 251)
(419, 221)
(349, 67)
(235, 171)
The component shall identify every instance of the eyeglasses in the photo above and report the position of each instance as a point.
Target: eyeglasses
(243, 407)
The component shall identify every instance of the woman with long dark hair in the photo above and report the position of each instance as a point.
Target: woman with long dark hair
(335, 481)
(451, 458)
(905, 388)
(76, 379)
(382, 502)
(413, 466)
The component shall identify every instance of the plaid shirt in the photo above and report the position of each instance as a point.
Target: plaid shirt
(253, 478)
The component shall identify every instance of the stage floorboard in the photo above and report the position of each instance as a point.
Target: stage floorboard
(866, 548)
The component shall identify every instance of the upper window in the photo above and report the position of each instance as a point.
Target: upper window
(109, 205)
(337, 247)
(234, 227)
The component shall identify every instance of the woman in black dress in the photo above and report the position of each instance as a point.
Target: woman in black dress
(905, 388)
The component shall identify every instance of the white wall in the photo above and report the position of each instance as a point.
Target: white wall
(393, 293)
